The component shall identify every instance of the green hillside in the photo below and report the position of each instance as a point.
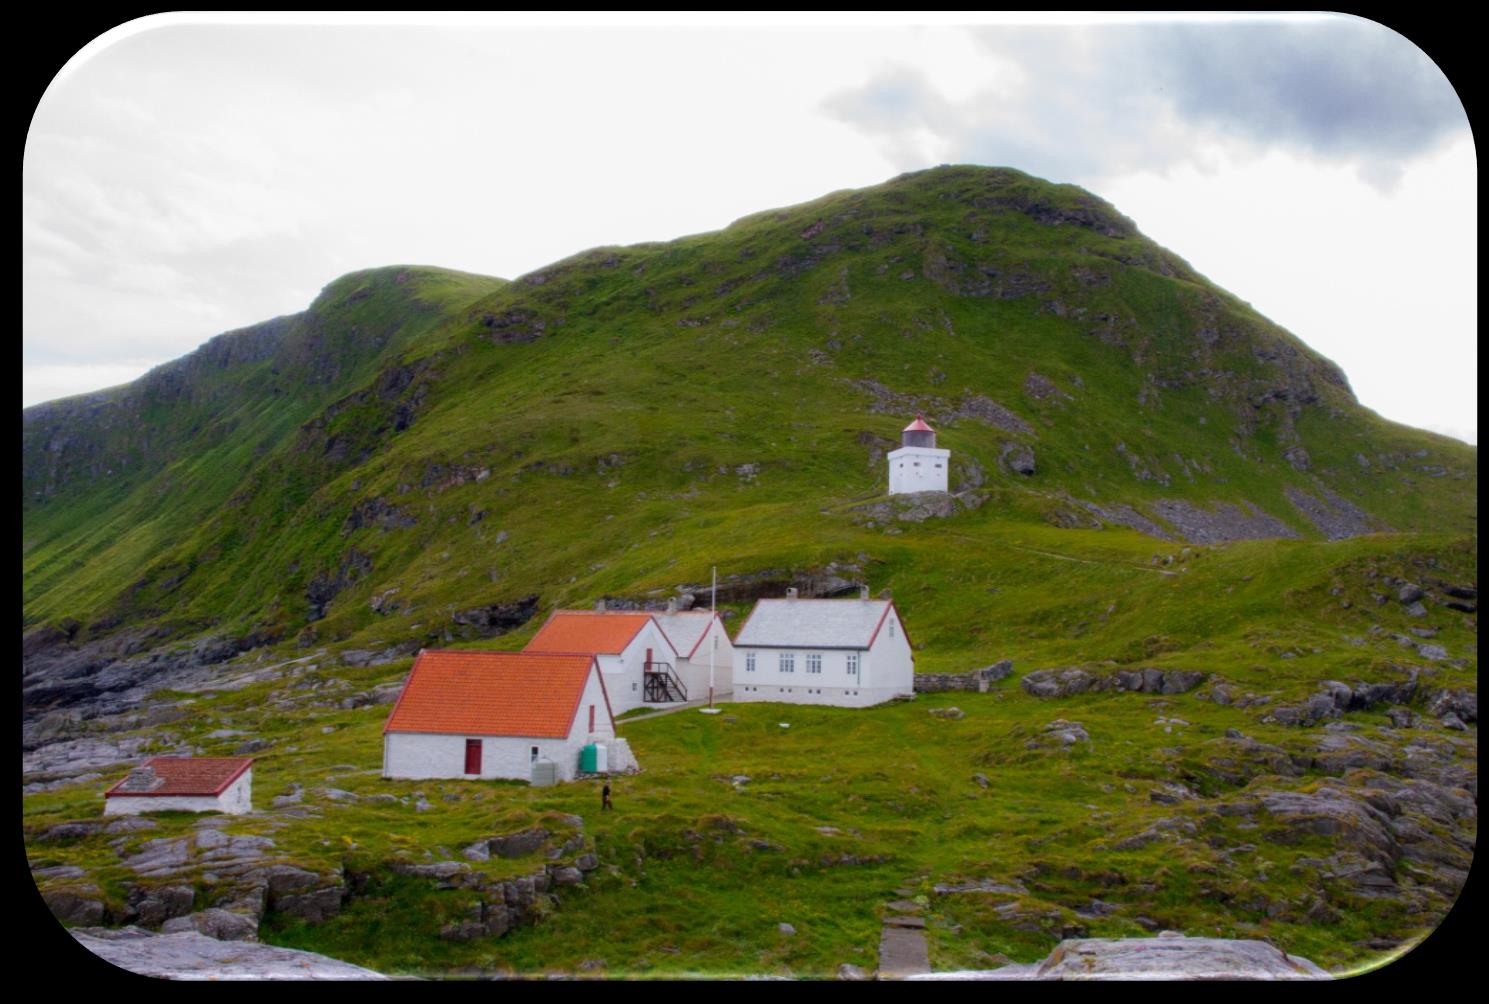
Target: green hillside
(1146, 475)
(624, 419)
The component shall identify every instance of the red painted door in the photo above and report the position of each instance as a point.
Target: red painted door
(473, 756)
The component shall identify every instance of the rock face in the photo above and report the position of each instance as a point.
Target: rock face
(976, 679)
(1067, 682)
(193, 956)
(1170, 956)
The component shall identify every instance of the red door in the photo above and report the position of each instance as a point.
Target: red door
(473, 756)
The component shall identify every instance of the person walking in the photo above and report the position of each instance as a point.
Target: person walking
(605, 797)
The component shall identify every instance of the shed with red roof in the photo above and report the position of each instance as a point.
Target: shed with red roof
(190, 784)
(472, 714)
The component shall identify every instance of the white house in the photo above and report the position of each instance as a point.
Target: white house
(637, 660)
(917, 466)
(191, 784)
(850, 653)
(697, 636)
(471, 714)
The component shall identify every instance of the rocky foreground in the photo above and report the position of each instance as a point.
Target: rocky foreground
(194, 956)
(1170, 956)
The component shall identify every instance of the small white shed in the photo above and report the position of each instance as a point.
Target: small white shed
(190, 784)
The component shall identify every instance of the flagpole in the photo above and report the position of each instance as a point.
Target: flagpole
(713, 609)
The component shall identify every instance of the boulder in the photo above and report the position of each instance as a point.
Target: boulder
(75, 907)
(153, 906)
(224, 925)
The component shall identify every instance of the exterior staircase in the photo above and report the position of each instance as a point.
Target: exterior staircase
(660, 684)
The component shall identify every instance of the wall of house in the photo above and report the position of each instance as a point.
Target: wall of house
(422, 755)
(623, 672)
(593, 697)
(235, 800)
(835, 685)
(918, 469)
(890, 665)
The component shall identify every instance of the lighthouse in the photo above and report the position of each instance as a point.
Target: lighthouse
(917, 466)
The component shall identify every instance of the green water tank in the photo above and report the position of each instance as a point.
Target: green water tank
(589, 759)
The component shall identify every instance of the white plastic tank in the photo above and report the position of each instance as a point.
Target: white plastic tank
(545, 773)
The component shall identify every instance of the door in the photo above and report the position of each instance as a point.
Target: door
(473, 756)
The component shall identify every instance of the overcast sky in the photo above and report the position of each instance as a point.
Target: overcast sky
(183, 179)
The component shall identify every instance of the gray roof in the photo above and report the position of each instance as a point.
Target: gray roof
(685, 629)
(812, 623)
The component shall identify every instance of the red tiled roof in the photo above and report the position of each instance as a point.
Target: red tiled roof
(188, 776)
(601, 632)
(492, 694)
(919, 425)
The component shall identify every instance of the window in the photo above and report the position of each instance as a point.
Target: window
(814, 662)
(749, 662)
(532, 755)
(938, 467)
(891, 629)
(853, 663)
(788, 662)
(916, 462)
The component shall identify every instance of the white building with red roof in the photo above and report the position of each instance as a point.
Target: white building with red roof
(189, 784)
(850, 653)
(704, 651)
(472, 714)
(636, 658)
(918, 466)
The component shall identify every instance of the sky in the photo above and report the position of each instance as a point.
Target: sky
(185, 175)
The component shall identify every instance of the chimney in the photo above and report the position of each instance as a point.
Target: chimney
(600, 605)
(863, 591)
(790, 592)
(672, 605)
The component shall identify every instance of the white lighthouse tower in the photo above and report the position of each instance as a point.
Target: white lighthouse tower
(917, 466)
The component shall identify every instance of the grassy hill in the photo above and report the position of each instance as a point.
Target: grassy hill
(624, 419)
(1147, 474)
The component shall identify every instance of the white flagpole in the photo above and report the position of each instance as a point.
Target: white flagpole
(713, 605)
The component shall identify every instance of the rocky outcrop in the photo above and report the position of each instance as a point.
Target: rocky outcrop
(1170, 956)
(195, 956)
(976, 679)
(1067, 682)
(1222, 522)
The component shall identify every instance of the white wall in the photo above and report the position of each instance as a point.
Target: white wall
(236, 800)
(834, 685)
(593, 697)
(623, 673)
(918, 469)
(424, 755)
(694, 672)
(890, 665)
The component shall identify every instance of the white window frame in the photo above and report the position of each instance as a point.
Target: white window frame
(749, 662)
(853, 663)
(533, 753)
(786, 662)
(814, 662)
